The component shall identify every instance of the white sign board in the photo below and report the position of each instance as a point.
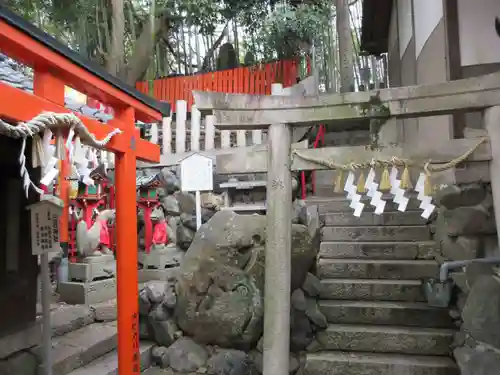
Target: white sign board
(197, 173)
(45, 225)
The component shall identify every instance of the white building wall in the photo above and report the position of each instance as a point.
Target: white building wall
(427, 14)
(479, 43)
(405, 25)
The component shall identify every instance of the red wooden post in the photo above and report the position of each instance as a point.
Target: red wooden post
(126, 255)
(46, 86)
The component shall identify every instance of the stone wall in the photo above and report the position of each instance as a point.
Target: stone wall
(465, 229)
(209, 317)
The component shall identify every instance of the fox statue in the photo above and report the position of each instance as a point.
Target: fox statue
(94, 241)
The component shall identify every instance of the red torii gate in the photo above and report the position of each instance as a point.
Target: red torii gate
(54, 67)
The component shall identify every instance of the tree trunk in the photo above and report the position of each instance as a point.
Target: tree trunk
(345, 47)
(143, 50)
(116, 53)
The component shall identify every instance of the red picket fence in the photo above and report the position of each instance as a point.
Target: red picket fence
(244, 80)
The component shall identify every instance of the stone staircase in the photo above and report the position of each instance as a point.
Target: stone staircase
(371, 269)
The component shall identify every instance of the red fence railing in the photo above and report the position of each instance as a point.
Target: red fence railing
(244, 80)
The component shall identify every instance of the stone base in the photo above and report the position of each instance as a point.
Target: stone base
(87, 293)
(20, 340)
(91, 268)
(156, 274)
(170, 256)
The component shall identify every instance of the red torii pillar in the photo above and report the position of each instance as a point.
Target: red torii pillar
(54, 70)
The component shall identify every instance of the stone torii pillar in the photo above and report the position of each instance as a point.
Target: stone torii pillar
(278, 248)
(256, 112)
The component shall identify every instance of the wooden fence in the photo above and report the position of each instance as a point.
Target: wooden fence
(244, 80)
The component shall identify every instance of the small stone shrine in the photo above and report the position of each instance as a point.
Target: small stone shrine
(92, 276)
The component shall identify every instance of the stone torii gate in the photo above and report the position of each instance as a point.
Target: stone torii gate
(279, 114)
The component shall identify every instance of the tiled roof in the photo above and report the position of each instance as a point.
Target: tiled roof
(18, 76)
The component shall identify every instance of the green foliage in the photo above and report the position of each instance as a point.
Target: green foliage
(288, 30)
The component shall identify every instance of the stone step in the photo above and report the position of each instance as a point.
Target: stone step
(385, 313)
(372, 290)
(386, 339)
(338, 363)
(329, 205)
(385, 233)
(78, 348)
(108, 364)
(376, 269)
(339, 219)
(376, 250)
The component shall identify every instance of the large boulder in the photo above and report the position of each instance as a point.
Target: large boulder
(481, 313)
(220, 283)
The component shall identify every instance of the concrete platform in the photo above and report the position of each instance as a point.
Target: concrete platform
(372, 290)
(156, 274)
(386, 339)
(410, 314)
(108, 364)
(91, 268)
(87, 293)
(382, 233)
(170, 256)
(340, 204)
(80, 347)
(376, 250)
(377, 269)
(339, 219)
(337, 363)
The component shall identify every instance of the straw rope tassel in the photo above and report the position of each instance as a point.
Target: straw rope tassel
(338, 182)
(428, 190)
(406, 180)
(361, 183)
(385, 182)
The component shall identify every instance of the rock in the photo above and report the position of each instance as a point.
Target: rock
(474, 271)
(481, 313)
(490, 246)
(184, 236)
(187, 202)
(211, 201)
(260, 344)
(298, 207)
(158, 313)
(312, 285)
(155, 291)
(166, 331)
(460, 248)
(298, 300)
(105, 311)
(314, 314)
(293, 364)
(473, 362)
(144, 303)
(169, 298)
(145, 330)
(172, 223)
(454, 196)
(171, 206)
(20, 363)
(172, 183)
(157, 354)
(221, 279)
(185, 356)
(469, 221)
(228, 362)
(301, 333)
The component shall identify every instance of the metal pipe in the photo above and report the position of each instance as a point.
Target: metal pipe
(447, 266)
(46, 328)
